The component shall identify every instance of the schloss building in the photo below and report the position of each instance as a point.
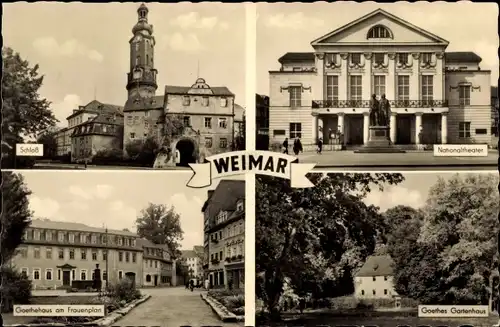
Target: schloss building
(55, 253)
(435, 96)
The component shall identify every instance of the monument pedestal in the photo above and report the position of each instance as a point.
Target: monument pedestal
(379, 141)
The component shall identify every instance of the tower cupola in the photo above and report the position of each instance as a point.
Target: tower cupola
(142, 20)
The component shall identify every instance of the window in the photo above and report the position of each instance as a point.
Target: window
(94, 255)
(355, 87)
(403, 87)
(48, 253)
(481, 131)
(208, 122)
(378, 58)
(187, 121)
(379, 32)
(104, 275)
(72, 254)
(120, 274)
(204, 101)
(59, 274)
(464, 95)
(105, 255)
(127, 257)
(295, 96)
(36, 274)
(208, 142)
(130, 120)
(223, 143)
(24, 252)
(362, 292)
(148, 278)
(427, 88)
(48, 274)
(374, 279)
(222, 122)
(403, 58)
(42, 235)
(239, 206)
(374, 292)
(134, 257)
(120, 256)
(72, 238)
(36, 235)
(36, 253)
(385, 292)
(156, 264)
(83, 274)
(332, 87)
(379, 84)
(331, 58)
(137, 60)
(355, 58)
(83, 253)
(385, 278)
(24, 272)
(464, 129)
(426, 58)
(223, 102)
(73, 274)
(186, 100)
(295, 130)
(132, 135)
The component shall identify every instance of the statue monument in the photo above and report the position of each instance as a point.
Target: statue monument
(379, 140)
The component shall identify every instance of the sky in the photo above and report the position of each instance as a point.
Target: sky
(291, 27)
(115, 199)
(83, 49)
(412, 191)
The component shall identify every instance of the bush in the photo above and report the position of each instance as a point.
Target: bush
(104, 157)
(233, 300)
(15, 289)
(124, 290)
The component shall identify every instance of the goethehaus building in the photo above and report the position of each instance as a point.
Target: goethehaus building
(436, 96)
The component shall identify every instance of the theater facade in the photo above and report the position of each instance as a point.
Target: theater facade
(436, 96)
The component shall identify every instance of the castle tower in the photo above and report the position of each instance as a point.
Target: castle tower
(141, 80)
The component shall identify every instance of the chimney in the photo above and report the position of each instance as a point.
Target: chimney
(75, 110)
(209, 193)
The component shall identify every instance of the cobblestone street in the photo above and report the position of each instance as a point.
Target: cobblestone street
(173, 307)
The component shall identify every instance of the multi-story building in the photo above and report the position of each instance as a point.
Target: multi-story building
(193, 260)
(224, 215)
(208, 113)
(100, 119)
(435, 96)
(262, 121)
(55, 253)
(375, 279)
(495, 107)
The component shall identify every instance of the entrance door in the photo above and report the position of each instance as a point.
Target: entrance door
(355, 136)
(186, 152)
(156, 280)
(66, 277)
(403, 129)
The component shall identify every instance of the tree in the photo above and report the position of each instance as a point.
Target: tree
(15, 216)
(143, 151)
(161, 225)
(174, 127)
(315, 237)
(48, 139)
(239, 139)
(451, 256)
(24, 112)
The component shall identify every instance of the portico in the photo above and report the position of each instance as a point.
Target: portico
(408, 125)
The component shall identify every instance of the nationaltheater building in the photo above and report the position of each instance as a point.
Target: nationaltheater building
(436, 97)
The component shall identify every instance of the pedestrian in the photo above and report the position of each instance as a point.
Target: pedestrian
(331, 136)
(302, 305)
(285, 146)
(297, 146)
(207, 284)
(320, 145)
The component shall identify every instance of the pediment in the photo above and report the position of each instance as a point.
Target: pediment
(401, 30)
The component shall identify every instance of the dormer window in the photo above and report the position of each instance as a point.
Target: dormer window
(204, 101)
(186, 100)
(378, 58)
(356, 58)
(426, 58)
(403, 58)
(223, 102)
(379, 32)
(239, 206)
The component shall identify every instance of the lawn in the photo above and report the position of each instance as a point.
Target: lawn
(233, 300)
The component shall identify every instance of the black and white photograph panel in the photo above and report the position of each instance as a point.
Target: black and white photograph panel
(387, 86)
(121, 85)
(155, 256)
(378, 249)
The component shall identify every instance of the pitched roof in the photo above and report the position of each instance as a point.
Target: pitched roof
(296, 57)
(386, 14)
(217, 90)
(143, 103)
(239, 112)
(464, 56)
(148, 244)
(188, 254)
(97, 107)
(199, 249)
(77, 227)
(377, 265)
(225, 196)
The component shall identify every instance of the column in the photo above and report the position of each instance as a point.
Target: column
(314, 128)
(366, 127)
(444, 128)
(392, 126)
(415, 77)
(320, 128)
(438, 86)
(390, 88)
(317, 87)
(367, 78)
(418, 126)
(340, 124)
(343, 78)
